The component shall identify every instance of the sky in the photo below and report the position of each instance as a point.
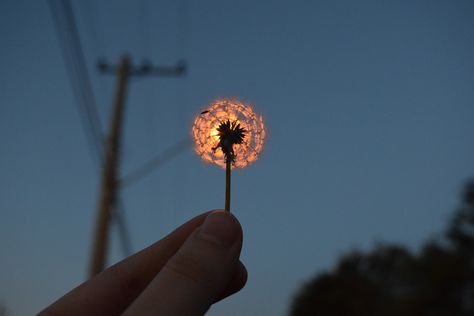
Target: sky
(368, 106)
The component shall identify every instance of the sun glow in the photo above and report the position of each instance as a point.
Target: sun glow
(206, 135)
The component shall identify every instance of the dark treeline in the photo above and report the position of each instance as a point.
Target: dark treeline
(391, 280)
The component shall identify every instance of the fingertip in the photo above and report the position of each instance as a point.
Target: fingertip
(226, 213)
(205, 269)
(222, 228)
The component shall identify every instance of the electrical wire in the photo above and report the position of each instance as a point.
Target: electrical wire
(64, 22)
(65, 25)
(121, 221)
(183, 28)
(156, 162)
(144, 27)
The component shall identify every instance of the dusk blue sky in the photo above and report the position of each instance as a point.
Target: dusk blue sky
(369, 107)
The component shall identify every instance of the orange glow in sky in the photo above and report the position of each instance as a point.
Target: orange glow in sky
(206, 136)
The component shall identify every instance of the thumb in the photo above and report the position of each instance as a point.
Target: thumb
(197, 275)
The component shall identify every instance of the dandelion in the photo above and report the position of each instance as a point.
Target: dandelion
(229, 134)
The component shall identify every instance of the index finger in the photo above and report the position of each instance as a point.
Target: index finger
(111, 291)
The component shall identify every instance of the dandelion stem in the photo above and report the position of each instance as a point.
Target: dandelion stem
(227, 184)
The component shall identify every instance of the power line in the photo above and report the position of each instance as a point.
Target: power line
(65, 25)
(124, 234)
(183, 27)
(154, 163)
(94, 17)
(118, 211)
(144, 26)
(108, 190)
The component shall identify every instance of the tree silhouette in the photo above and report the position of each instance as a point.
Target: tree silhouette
(3, 310)
(390, 280)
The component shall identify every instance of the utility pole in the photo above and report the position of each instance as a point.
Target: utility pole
(109, 183)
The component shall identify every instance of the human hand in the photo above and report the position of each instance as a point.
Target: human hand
(181, 275)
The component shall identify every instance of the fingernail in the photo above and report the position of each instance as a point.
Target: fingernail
(220, 227)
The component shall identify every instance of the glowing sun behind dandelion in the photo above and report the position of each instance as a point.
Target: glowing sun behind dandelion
(229, 134)
(210, 124)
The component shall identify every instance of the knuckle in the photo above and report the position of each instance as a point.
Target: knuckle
(189, 267)
(125, 280)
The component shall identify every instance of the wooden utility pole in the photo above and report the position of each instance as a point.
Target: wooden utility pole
(109, 186)
(108, 189)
